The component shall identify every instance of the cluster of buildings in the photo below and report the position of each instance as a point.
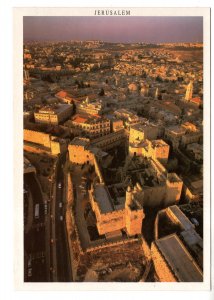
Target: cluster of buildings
(155, 116)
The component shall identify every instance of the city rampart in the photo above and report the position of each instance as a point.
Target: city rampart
(162, 269)
(37, 137)
(110, 222)
(111, 244)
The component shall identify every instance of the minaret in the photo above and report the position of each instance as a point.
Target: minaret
(156, 93)
(189, 91)
(128, 196)
(26, 75)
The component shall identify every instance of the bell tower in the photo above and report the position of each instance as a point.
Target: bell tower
(189, 91)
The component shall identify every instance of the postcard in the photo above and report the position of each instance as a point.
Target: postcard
(113, 136)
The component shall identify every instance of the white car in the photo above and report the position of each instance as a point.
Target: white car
(59, 185)
(60, 204)
(61, 218)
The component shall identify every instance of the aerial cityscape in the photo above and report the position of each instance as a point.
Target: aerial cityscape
(113, 149)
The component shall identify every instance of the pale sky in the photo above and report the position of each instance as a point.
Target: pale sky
(114, 29)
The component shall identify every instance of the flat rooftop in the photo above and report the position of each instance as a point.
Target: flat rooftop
(80, 142)
(180, 217)
(176, 129)
(82, 119)
(179, 260)
(142, 127)
(103, 199)
(55, 109)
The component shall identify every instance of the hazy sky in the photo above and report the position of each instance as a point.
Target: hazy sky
(115, 29)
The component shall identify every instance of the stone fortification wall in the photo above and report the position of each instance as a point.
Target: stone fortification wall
(161, 267)
(37, 137)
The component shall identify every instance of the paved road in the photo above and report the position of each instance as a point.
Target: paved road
(34, 239)
(62, 250)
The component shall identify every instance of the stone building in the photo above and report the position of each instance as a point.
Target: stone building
(81, 152)
(174, 135)
(113, 218)
(36, 141)
(53, 114)
(64, 97)
(140, 132)
(156, 149)
(90, 107)
(128, 117)
(184, 134)
(117, 125)
(94, 127)
(172, 220)
(110, 140)
(161, 189)
(173, 262)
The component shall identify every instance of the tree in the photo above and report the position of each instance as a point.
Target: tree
(102, 92)
(159, 79)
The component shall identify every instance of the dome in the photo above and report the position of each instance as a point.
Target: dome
(132, 87)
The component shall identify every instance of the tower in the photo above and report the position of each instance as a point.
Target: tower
(156, 93)
(128, 196)
(26, 75)
(189, 91)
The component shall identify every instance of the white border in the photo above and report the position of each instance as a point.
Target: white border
(18, 47)
(6, 115)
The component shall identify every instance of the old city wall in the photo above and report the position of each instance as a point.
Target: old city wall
(146, 250)
(112, 244)
(37, 137)
(161, 267)
(110, 222)
(94, 205)
(113, 254)
(34, 149)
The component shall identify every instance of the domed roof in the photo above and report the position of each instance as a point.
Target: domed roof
(132, 87)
